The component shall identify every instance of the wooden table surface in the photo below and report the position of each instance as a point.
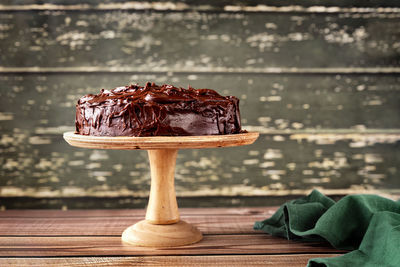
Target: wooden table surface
(92, 238)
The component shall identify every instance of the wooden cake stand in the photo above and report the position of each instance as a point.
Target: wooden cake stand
(162, 227)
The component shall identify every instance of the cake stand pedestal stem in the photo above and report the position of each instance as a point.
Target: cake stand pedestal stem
(162, 207)
(162, 227)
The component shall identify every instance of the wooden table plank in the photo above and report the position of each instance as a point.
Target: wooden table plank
(112, 245)
(114, 226)
(92, 238)
(140, 213)
(206, 261)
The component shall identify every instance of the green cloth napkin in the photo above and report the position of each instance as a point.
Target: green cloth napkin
(367, 224)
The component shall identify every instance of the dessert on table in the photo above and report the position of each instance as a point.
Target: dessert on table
(162, 120)
(154, 110)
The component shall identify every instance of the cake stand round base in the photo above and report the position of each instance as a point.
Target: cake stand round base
(146, 234)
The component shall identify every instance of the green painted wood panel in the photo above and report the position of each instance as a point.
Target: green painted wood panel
(268, 102)
(215, 4)
(275, 165)
(318, 79)
(198, 41)
(36, 109)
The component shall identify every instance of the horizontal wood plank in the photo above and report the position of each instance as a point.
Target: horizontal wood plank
(72, 203)
(269, 102)
(202, 41)
(194, 71)
(127, 202)
(139, 213)
(101, 226)
(107, 246)
(265, 172)
(335, 166)
(236, 260)
(334, 5)
(66, 236)
(217, 250)
(37, 162)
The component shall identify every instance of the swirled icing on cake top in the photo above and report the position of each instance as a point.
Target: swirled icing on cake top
(151, 93)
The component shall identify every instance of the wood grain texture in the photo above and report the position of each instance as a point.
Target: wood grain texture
(107, 246)
(162, 207)
(314, 136)
(113, 222)
(319, 79)
(162, 226)
(114, 226)
(206, 261)
(160, 142)
(269, 102)
(193, 4)
(210, 212)
(158, 236)
(195, 41)
(276, 165)
(60, 247)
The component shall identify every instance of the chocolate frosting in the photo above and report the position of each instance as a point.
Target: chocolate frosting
(155, 110)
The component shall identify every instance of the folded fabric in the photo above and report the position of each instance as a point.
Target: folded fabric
(367, 224)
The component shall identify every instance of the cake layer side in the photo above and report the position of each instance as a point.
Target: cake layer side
(157, 111)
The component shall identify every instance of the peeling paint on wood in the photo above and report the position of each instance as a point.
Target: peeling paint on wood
(200, 70)
(176, 6)
(302, 147)
(279, 168)
(196, 41)
(318, 80)
(227, 6)
(356, 139)
(341, 106)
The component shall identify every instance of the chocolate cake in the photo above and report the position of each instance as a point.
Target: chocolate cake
(155, 110)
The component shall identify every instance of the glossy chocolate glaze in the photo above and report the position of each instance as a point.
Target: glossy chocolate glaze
(155, 110)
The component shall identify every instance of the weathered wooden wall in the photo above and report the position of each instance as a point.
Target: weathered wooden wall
(319, 79)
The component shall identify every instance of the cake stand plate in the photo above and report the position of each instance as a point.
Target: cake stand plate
(162, 227)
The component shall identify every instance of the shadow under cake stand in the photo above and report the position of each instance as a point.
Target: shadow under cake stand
(162, 227)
